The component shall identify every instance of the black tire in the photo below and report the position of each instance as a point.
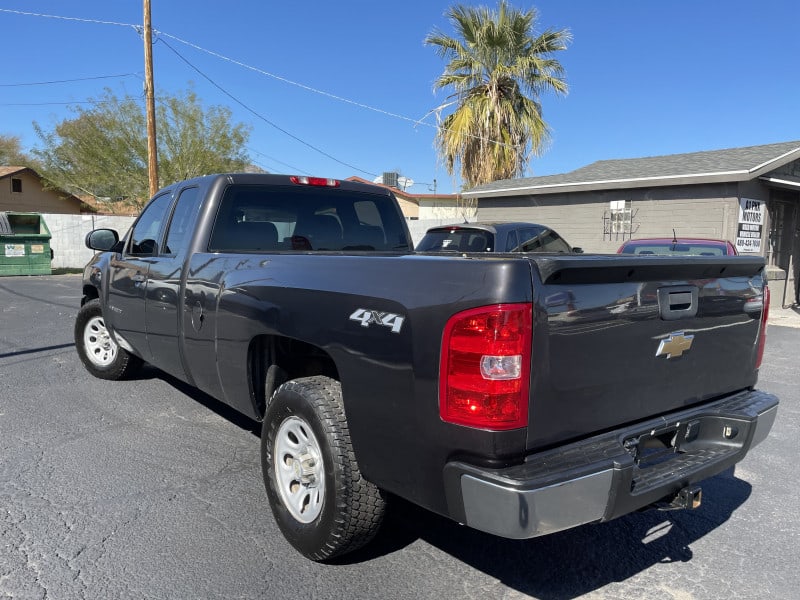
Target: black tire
(324, 509)
(100, 354)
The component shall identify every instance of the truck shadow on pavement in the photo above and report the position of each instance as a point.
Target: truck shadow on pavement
(220, 408)
(40, 349)
(559, 566)
(570, 563)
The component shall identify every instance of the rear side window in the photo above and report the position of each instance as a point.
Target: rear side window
(542, 240)
(512, 241)
(272, 218)
(530, 240)
(552, 242)
(182, 223)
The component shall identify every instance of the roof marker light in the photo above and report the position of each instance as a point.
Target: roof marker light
(315, 181)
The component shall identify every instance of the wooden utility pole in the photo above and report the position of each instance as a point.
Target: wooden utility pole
(150, 99)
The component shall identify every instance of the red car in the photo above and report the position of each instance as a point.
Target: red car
(678, 247)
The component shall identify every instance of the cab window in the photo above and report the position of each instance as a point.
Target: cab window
(530, 239)
(552, 242)
(512, 241)
(182, 223)
(145, 233)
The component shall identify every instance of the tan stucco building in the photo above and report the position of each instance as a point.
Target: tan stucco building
(21, 190)
(428, 206)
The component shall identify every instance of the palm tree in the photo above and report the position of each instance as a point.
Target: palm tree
(498, 68)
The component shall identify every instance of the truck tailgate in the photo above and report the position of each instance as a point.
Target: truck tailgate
(618, 340)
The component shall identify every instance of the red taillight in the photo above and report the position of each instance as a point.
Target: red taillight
(485, 367)
(762, 332)
(318, 181)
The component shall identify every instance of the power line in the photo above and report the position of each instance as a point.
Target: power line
(138, 29)
(260, 116)
(420, 121)
(69, 80)
(272, 158)
(48, 103)
(294, 83)
(73, 102)
(61, 18)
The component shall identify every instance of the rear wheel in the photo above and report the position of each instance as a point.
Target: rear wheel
(100, 354)
(322, 504)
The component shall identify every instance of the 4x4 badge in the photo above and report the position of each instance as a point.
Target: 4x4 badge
(368, 317)
(675, 345)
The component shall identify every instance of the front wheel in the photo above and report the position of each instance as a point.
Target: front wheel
(100, 354)
(322, 504)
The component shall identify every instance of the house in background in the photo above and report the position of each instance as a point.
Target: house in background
(22, 190)
(750, 196)
(449, 207)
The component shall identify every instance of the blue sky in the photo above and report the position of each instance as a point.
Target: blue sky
(349, 78)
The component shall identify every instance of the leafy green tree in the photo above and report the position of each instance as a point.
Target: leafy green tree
(102, 151)
(498, 67)
(11, 154)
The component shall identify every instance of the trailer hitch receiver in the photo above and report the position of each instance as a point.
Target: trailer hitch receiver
(689, 497)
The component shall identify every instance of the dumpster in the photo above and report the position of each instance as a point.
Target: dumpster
(24, 244)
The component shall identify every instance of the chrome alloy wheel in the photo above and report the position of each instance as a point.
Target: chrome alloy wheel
(100, 348)
(299, 470)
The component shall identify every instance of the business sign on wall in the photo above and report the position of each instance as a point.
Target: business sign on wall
(751, 224)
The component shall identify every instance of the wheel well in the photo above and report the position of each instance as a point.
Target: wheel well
(89, 293)
(277, 359)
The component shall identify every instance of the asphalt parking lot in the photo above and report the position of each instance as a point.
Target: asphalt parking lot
(148, 489)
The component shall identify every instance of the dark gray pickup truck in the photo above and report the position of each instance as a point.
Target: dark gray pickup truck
(517, 394)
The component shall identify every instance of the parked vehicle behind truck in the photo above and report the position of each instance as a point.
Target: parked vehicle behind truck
(517, 394)
(494, 237)
(675, 246)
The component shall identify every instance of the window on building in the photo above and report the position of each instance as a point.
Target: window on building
(16, 185)
(621, 216)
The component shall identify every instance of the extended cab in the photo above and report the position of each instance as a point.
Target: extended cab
(519, 394)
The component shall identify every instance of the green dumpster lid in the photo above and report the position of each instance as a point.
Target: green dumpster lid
(24, 223)
(5, 226)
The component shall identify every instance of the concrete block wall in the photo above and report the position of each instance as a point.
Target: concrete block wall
(782, 289)
(69, 232)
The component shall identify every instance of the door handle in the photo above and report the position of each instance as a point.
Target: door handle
(678, 302)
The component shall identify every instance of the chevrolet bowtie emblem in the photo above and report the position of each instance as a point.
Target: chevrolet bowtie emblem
(675, 345)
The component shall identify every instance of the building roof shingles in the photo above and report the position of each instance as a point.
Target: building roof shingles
(6, 171)
(735, 163)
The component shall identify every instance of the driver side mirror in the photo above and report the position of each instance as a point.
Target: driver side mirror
(577, 250)
(103, 240)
